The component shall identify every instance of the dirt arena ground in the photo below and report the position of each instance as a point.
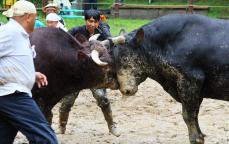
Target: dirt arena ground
(149, 117)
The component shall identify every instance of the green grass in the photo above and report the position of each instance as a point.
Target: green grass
(127, 24)
(3, 19)
(115, 24)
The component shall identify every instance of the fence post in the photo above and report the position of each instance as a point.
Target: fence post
(116, 8)
(190, 6)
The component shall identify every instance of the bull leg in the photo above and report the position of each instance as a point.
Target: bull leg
(190, 117)
(65, 108)
(48, 114)
(191, 100)
(104, 104)
(46, 110)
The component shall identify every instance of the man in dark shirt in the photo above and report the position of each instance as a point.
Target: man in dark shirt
(93, 26)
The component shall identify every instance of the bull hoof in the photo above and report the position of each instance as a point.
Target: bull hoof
(202, 135)
(198, 141)
(113, 130)
(62, 130)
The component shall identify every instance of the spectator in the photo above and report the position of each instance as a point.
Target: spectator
(52, 20)
(18, 111)
(52, 8)
(38, 23)
(94, 23)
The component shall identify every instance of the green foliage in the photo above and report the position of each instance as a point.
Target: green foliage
(38, 3)
(3, 19)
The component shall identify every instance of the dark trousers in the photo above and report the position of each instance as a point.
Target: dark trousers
(19, 112)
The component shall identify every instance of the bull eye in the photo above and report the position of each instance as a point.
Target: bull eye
(127, 92)
(125, 59)
(125, 66)
(90, 44)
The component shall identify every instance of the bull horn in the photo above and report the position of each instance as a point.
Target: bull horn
(118, 40)
(94, 37)
(95, 58)
(106, 43)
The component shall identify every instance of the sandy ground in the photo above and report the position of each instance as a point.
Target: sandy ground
(149, 117)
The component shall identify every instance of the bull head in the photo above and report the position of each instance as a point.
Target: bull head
(106, 43)
(95, 54)
(128, 63)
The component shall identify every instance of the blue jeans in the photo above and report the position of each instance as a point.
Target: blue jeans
(19, 112)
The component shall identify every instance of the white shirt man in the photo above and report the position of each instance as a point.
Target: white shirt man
(17, 69)
(18, 111)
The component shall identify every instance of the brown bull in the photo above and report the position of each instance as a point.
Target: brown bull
(69, 66)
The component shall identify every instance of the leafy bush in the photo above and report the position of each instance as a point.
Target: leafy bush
(38, 3)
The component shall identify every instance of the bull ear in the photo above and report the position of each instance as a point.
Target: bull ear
(81, 55)
(138, 38)
(122, 31)
(81, 38)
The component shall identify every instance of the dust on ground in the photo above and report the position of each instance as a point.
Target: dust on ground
(149, 117)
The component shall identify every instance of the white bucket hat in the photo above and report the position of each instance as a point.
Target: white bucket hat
(20, 8)
(52, 17)
(51, 5)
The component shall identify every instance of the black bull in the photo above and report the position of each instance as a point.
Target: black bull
(187, 54)
(68, 66)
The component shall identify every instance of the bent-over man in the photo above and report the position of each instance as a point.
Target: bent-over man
(92, 26)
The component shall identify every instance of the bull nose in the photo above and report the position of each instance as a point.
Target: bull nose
(129, 92)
